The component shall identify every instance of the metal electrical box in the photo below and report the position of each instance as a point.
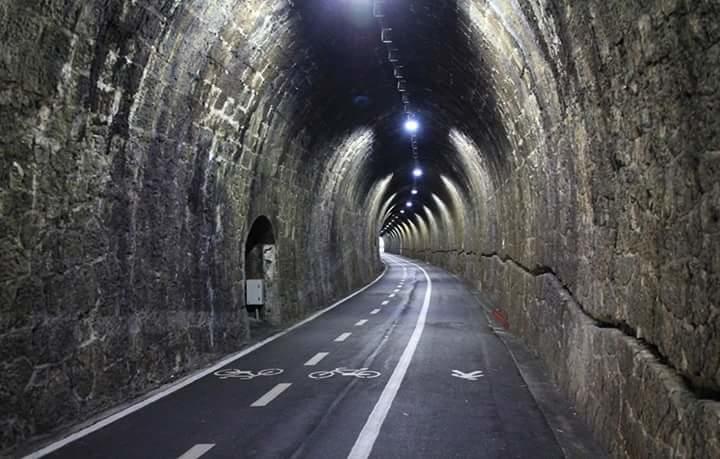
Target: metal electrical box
(254, 292)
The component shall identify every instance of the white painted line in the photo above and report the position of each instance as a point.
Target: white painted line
(172, 388)
(396, 290)
(366, 440)
(384, 303)
(342, 337)
(375, 311)
(197, 451)
(272, 395)
(360, 323)
(392, 295)
(316, 359)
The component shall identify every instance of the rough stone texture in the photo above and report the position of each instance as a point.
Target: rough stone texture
(571, 154)
(596, 230)
(140, 141)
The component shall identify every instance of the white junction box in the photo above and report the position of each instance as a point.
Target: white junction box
(254, 292)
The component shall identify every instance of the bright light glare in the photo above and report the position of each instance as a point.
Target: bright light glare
(412, 126)
(417, 172)
(408, 204)
(414, 191)
(402, 211)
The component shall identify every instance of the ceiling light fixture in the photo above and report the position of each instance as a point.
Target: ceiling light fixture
(412, 125)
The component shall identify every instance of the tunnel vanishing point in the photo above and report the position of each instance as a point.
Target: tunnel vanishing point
(154, 151)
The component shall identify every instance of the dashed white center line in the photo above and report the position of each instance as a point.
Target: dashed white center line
(396, 290)
(360, 323)
(197, 451)
(392, 295)
(375, 311)
(342, 337)
(271, 395)
(316, 359)
(384, 302)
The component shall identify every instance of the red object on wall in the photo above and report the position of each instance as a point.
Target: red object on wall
(501, 318)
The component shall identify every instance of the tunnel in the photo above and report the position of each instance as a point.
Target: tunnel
(561, 158)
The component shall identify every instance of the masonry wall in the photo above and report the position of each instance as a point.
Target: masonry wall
(140, 141)
(598, 239)
(577, 186)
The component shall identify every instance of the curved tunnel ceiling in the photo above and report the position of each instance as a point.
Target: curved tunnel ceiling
(571, 164)
(448, 84)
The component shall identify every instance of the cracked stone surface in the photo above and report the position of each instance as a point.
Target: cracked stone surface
(597, 233)
(572, 156)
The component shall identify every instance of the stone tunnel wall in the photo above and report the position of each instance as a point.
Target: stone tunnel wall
(140, 140)
(601, 244)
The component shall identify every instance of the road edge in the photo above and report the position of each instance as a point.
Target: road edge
(547, 395)
(545, 392)
(108, 417)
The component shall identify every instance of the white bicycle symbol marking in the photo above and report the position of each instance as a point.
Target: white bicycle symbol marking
(246, 374)
(362, 373)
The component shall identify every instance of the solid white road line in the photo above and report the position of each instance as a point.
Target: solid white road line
(342, 337)
(384, 302)
(272, 395)
(366, 440)
(197, 451)
(316, 359)
(164, 392)
(375, 311)
(360, 323)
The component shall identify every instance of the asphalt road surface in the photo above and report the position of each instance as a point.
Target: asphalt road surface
(407, 368)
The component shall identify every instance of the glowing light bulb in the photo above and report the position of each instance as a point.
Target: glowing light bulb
(412, 125)
(417, 172)
(414, 191)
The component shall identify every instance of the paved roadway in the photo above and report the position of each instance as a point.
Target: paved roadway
(439, 384)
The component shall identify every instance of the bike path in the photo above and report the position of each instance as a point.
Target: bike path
(463, 396)
(214, 411)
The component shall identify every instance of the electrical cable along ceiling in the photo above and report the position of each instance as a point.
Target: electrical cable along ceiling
(409, 70)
